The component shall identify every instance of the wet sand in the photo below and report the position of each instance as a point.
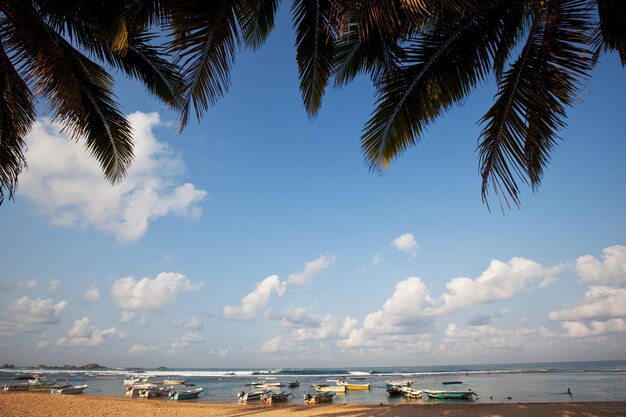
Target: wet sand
(42, 404)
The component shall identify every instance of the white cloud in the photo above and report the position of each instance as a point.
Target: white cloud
(151, 295)
(311, 269)
(84, 334)
(185, 341)
(406, 243)
(71, 191)
(401, 320)
(81, 328)
(54, 284)
(255, 302)
(25, 285)
(29, 311)
(611, 270)
(127, 316)
(488, 339)
(304, 325)
(221, 352)
(501, 280)
(92, 294)
(599, 303)
(377, 259)
(190, 323)
(594, 328)
(140, 349)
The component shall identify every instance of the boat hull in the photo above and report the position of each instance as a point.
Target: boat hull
(450, 395)
(185, 395)
(319, 398)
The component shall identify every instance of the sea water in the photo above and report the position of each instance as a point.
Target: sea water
(533, 382)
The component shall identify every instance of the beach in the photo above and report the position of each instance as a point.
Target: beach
(42, 404)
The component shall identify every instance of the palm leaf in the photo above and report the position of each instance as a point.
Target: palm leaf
(256, 18)
(315, 49)
(441, 68)
(611, 31)
(521, 126)
(78, 90)
(16, 118)
(206, 35)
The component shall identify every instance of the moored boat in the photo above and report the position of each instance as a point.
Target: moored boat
(355, 387)
(154, 392)
(411, 393)
(185, 395)
(174, 381)
(320, 397)
(250, 396)
(394, 390)
(337, 389)
(75, 389)
(272, 397)
(293, 384)
(450, 395)
(133, 390)
(404, 383)
(16, 387)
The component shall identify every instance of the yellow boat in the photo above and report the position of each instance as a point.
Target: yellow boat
(355, 387)
(329, 388)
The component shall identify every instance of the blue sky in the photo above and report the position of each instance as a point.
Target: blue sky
(258, 237)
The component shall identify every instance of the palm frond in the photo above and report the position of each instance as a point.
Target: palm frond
(206, 36)
(315, 49)
(16, 118)
(611, 31)
(256, 18)
(78, 90)
(520, 130)
(441, 68)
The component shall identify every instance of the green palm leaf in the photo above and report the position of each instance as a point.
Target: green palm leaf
(78, 90)
(315, 49)
(442, 67)
(16, 118)
(521, 126)
(256, 18)
(206, 35)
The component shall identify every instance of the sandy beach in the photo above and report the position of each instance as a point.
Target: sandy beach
(35, 404)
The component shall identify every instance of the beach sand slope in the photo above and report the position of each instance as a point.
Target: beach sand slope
(31, 404)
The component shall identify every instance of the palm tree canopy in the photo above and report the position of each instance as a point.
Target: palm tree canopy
(422, 56)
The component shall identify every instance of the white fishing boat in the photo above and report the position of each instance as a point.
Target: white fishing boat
(133, 390)
(403, 383)
(272, 397)
(174, 381)
(338, 389)
(74, 389)
(320, 397)
(185, 395)
(411, 393)
(154, 392)
(251, 396)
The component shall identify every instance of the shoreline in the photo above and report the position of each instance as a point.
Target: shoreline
(16, 404)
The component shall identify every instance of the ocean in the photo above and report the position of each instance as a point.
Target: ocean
(520, 383)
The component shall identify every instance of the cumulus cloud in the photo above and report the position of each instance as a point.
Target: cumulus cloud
(594, 328)
(151, 295)
(489, 339)
(84, 334)
(499, 281)
(401, 320)
(190, 323)
(185, 341)
(54, 284)
(406, 243)
(311, 269)
(255, 302)
(221, 352)
(611, 270)
(71, 191)
(92, 294)
(599, 303)
(139, 349)
(24, 285)
(30, 311)
(304, 325)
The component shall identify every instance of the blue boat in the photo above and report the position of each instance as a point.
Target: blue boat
(185, 395)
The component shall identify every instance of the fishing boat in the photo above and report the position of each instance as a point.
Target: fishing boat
(267, 384)
(355, 387)
(319, 397)
(293, 384)
(174, 381)
(394, 390)
(133, 390)
(46, 386)
(154, 392)
(272, 397)
(337, 389)
(405, 383)
(74, 389)
(15, 387)
(185, 395)
(411, 393)
(250, 396)
(450, 395)
(451, 382)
